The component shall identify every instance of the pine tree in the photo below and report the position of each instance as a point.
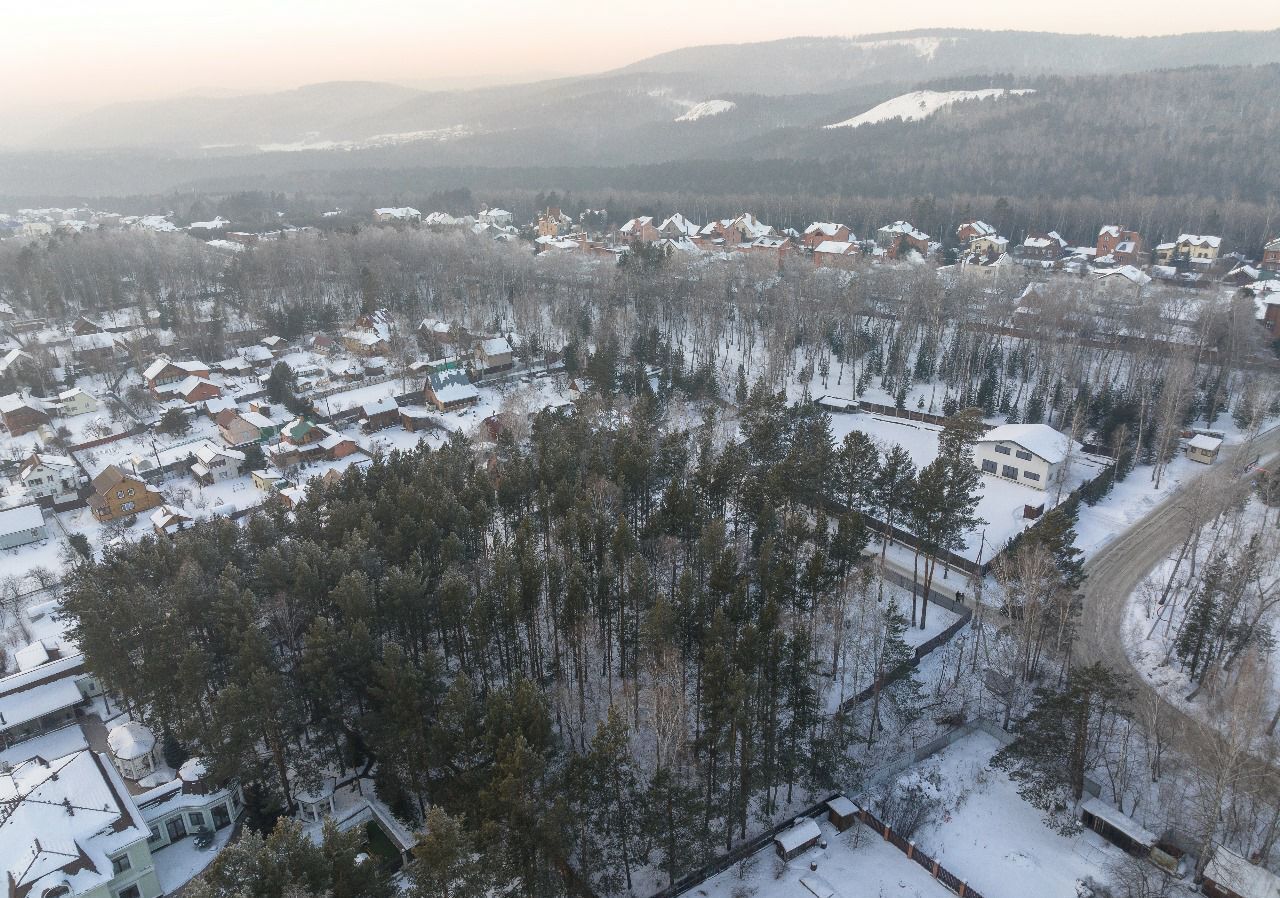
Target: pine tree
(445, 861)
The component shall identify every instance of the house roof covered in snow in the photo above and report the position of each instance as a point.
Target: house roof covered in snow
(804, 831)
(130, 741)
(1040, 439)
(1230, 871)
(65, 820)
(24, 517)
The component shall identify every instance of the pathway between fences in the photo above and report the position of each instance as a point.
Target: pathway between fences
(751, 846)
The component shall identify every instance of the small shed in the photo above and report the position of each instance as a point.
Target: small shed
(797, 839)
(1228, 875)
(841, 813)
(1204, 448)
(1116, 827)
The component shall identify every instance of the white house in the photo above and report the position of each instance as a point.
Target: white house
(70, 828)
(1030, 454)
(76, 402)
(215, 464)
(55, 477)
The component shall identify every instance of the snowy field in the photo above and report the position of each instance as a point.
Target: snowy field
(855, 864)
(984, 833)
(1002, 502)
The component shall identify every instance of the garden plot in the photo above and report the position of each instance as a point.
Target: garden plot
(1002, 502)
(981, 829)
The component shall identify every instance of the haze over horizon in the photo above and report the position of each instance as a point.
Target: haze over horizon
(148, 50)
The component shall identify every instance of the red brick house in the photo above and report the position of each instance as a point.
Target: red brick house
(641, 230)
(973, 229)
(836, 254)
(22, 414)
(825, 232)
(1120, 243)
(1269, 267)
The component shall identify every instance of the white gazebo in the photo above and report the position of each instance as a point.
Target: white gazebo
(133, 750)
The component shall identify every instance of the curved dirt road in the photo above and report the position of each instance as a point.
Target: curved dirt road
(1114, 572)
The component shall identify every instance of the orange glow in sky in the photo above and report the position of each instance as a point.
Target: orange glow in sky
(90, 52)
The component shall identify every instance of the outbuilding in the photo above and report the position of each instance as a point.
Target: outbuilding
(1204, 448)
(1228, 875)
(1116, 827)
(841, 813)
(797, 839)
(22, 525)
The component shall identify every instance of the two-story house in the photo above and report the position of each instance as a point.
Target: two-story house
(1029, 454)
(75, 402)
(1122, 245)
(118, 494)
(971, 230)
(238, 427)
(22, 414)
(826, 232)
(50, 479)
(164, 372)
(214, 464)
(1269, 267)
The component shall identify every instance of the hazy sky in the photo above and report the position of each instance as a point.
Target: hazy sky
(60, 53)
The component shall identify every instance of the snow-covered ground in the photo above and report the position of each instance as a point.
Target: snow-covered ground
(1002, 503)
(986, 834)
(920, 104)
(855, 864)
(1129, 501)
(705, 109)
(178, 863)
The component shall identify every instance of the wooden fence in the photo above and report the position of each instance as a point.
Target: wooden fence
(907, 847)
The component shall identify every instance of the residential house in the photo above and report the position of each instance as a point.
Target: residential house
(1199, 249)
(836, 254)
(268, 479)
(552, 222)
(988, 247)
(730, 232)
(75, 402)
(1269, 267)
(44, 694)
(380, 414)
(164, 372)
(971, 230)
(1029, 454)
(214, 464)
(899, 238)
(275, 343)
(498, 218)
(494, 354)
(238, 428)
(677, 227)
(370, 335)
(22, 525)
(1040, 247)
(396, 215)
(15, 361)
(168, 520)
(1118, 245)
(188, 804)
(70, 828)
(258, 356)
(639, 230)
(771, 246)
(22, 414)
(450, 390)
(192, 390)
(50, 479)
(302, 439)
(117, 494)
(1271, 315)
(826, 232)
(96, 348)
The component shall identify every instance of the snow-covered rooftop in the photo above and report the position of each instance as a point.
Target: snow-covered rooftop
(1041, 439)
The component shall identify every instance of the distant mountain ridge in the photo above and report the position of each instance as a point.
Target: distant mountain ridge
(653, 90)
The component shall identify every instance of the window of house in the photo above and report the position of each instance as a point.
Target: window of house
(988, 466)
(1031, 475)
(1023, 454)
(155, 834)
(1003, 450)
(196, 818)
(1009, 471)
(120, 864)
(129, 892)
